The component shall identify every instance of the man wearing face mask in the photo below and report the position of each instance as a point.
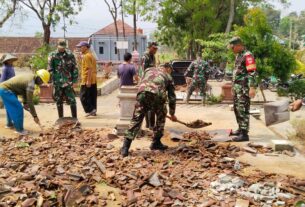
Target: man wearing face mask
(243, 87)
(62, 66)
(196, 76)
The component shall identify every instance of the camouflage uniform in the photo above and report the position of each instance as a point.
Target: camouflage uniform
(198, 71)
(64, 74)
(244, 77)
(149, 61)
(154, 89)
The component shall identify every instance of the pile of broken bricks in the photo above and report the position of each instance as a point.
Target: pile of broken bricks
(62, 167)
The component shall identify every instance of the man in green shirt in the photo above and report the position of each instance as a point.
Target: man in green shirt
(22, 85)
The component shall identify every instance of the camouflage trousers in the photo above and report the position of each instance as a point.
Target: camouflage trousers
(201, 85)
(64, 93)
(147, 102)
(241, 101)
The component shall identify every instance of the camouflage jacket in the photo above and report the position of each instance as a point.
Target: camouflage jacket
(148, 61)
(63, 68)
(197, 70)
(244, 69)
(157, 82)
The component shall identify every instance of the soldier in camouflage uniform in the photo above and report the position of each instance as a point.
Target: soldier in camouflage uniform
(148, 61)
(243, 88)
(154, 89)
(197, 72)
(62, 65)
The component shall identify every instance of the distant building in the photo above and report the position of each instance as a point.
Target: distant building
(28, 45)
(104, 41)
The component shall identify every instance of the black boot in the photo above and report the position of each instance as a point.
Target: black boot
(126, 146)
(73, 111)
(235, 133)
(60, 110)
(242, 137)
(157, 145)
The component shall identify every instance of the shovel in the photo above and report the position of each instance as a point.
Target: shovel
(195, 124)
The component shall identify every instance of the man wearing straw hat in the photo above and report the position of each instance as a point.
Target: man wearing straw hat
(8, 70)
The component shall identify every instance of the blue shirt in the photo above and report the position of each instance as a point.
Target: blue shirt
(7, 73)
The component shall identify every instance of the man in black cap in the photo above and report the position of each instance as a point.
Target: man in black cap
(243, 87)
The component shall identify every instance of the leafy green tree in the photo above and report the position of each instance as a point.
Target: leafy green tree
(271, 57)
(181, 22)
(215, 47)
(49, 12)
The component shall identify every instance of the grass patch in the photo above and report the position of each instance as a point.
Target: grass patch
(212, 99)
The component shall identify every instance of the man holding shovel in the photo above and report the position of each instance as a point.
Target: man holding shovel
(22, 85)
(155, 88)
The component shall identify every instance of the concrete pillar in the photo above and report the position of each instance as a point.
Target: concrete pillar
(227, 92)
(127, 98)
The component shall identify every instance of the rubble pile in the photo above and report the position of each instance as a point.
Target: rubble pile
(62, 168)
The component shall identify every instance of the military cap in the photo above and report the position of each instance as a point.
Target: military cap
(61, 43)
(235, 40)
(152, 44)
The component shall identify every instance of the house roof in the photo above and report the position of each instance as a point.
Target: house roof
(28, 45)
(110, 29)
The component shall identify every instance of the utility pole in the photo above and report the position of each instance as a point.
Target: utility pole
(290, 33)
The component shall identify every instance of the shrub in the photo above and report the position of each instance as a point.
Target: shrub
(40, 59)
(212, 99)
(297, 89)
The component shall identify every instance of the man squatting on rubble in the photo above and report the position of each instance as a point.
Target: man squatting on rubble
(296, 105)
(154, 89)
(21, 85)
(243, 88)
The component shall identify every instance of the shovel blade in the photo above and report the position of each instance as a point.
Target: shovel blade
(276, 112)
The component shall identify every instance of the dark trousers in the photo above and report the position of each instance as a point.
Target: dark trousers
(88, 97)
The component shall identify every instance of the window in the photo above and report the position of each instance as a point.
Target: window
(115, 50)
(101, 50)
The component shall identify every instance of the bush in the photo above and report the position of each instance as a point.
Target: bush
(23, 61)
(297, 89)
(282, 92)
(212, 99)
(36, 99)
(40, 59)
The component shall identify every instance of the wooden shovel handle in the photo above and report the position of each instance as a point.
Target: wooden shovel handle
(181, 122)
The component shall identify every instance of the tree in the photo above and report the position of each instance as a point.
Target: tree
(140, 8)
(7, 10)
(181, 22)
(49, 12)
(231, 16)
(271, 57)
(113, 8)
(273, 17)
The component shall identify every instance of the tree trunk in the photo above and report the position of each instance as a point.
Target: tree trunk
(46, 34)
(117, 38)
(135, 25)
(231, 16)
(122, 13)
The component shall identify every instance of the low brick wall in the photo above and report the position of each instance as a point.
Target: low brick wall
(110, 85)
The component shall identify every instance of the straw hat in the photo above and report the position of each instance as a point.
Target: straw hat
(7, 57)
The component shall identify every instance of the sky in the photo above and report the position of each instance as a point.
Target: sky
(93, 17)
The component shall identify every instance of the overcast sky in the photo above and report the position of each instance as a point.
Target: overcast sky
(93, 17)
